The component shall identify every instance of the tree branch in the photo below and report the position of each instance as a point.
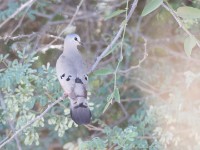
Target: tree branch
(18, 37)
(32, 121)
(19, 23)
(71, 21)
(23, 6)
(140, 61)
(171, 11)
(119, 33)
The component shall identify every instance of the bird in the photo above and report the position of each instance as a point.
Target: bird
(72, 74)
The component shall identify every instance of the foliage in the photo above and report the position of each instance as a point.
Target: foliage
(125, 139)
(144, 93)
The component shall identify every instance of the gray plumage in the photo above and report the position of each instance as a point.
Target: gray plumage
(71, 73)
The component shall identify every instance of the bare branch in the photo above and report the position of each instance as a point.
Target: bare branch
(16, 137)
(140, 61)
(93, 128)
(18, 37)
(71, 21)
(174, 14)
(19, 23)
(122, 119)
(119, 33)
(27, 4)
(44, 49)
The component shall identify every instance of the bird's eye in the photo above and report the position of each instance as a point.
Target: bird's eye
(75, 39)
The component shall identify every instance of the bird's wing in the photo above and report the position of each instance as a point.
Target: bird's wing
(66, 73)
(82, 71)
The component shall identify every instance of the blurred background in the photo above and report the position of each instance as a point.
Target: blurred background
(147, 100)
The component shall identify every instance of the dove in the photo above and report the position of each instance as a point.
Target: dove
(72, 75)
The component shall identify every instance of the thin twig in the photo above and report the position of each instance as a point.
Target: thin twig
(6, 138)
(19, 23)
(123, 109)
(140, 61)
(16, 137)
(71, 21)
(121, 49)
(32, 121)
(18, 37)
(23, 6)
(55, 37)
(174, 14)
(44, 49)
(45, 28)
(119, 33)
(122, 119)
(93, 128)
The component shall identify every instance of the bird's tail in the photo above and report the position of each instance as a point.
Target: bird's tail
(80, 111)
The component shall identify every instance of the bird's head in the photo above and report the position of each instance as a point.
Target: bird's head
(73, 40)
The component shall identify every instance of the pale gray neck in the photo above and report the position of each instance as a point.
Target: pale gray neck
(70, 49)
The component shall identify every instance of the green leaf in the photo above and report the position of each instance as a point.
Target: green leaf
(151, 6)
(6, 56)
(189, 44)
(117, 95)
(70, 124)
(188, 12)
(30, 103)
(109, 100)
(43, 101)
(103, 72)
(115, 13)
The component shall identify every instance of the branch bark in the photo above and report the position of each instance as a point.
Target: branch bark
(28, 3)
(117, 36)
(174, 14)
(70, 23)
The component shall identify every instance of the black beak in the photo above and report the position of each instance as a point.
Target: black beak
(81, 44)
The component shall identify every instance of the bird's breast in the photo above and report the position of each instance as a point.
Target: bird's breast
(80, 90)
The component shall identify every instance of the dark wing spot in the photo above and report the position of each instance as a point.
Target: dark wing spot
(86, 77)
(78, 80)
(62, 76)
(68, 78)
